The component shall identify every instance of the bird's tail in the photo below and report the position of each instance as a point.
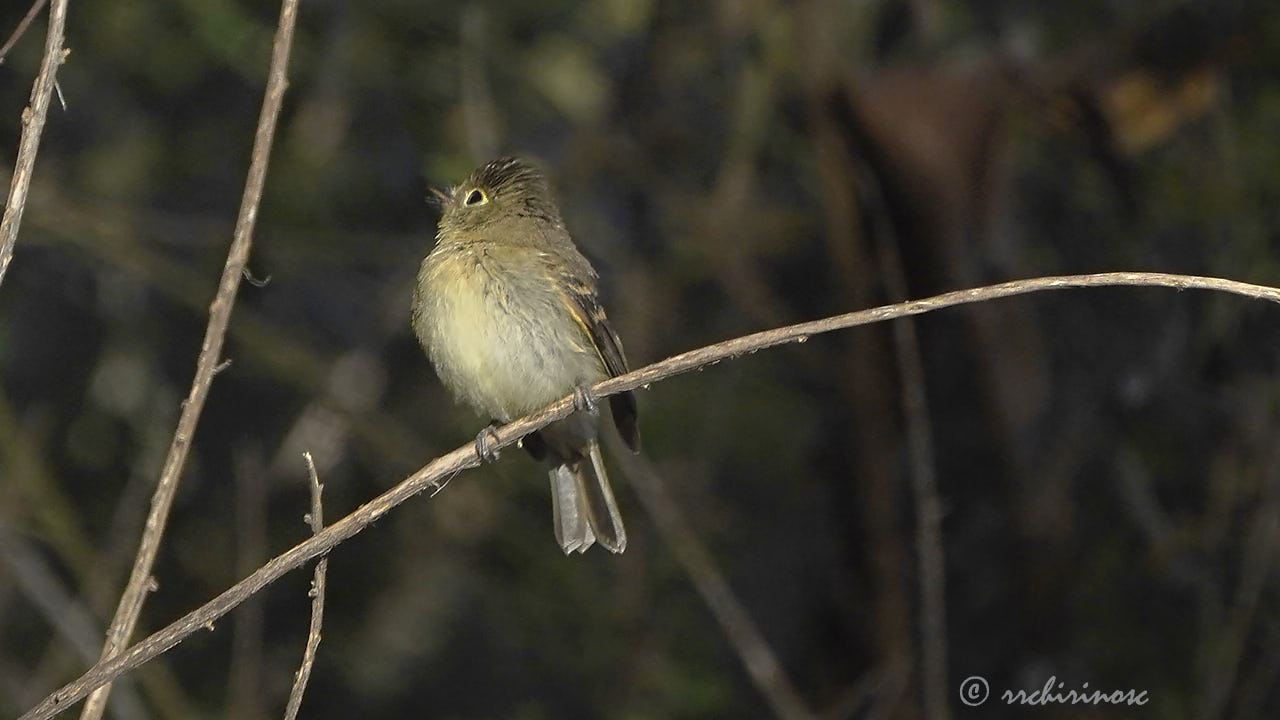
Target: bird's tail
(583, 505)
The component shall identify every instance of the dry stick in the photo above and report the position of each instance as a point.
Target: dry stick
(762, 665)
(929, 551)
(316, 518)
(1228, 649)
(478, 109)
(924, 481)
(438, 472)
(244, 672)
(207, 365)
(33, 126)
(22, 28)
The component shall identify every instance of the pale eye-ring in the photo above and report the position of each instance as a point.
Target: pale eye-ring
(476, 197)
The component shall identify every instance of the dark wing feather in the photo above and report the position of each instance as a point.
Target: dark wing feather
(587, 311)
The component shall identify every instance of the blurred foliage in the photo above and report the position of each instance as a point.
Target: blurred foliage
(1108, 459)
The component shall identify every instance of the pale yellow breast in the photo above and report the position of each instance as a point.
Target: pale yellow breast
(499, 334)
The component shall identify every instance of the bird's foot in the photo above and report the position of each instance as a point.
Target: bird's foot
(584, 400)
(484, 442)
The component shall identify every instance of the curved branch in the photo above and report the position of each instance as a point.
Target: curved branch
(439, 471)
(316, 519)
(207, 364)
(759, 660)
(32, 127)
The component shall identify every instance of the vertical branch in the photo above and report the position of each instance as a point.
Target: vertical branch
(1226, 649)
(207, 365)
(244, 684)
(924, 488)
(849, 178)
(316, 518)
(921, 461)
(477, 98)
(33, 126)
(867, 385)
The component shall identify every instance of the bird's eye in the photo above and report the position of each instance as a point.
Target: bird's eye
(476, 197)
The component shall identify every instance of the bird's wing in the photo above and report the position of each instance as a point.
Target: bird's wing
(584, 304)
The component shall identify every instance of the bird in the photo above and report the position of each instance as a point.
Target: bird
(508, 311)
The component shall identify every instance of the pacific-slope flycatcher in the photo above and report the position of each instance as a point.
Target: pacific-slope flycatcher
(507, 309)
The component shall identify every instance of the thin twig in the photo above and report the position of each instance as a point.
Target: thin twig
(1226, 648)
(244, 675)
(22, 28)
(131, 601)
(762, 665)
(448, 465)
(846, 178)
(40, 583)
(316, 518)
(928, 506)
(32, 127)
(864, 380)
(478, 109)
(924, 482)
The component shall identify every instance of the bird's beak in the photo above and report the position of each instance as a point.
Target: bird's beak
(442, 198)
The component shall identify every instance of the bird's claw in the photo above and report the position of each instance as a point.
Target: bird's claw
(484, 441)
(584, 400)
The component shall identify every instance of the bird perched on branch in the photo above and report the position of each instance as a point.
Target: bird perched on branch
(508, 311)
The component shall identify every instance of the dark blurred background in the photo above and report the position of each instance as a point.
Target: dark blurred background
(1107, 460)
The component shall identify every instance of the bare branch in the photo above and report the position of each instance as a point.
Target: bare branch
(928, 506)
(244, 674)
(23, 24)
(1226, 649)
(477, 97)
(207, 365)
(316, 518)
(924, 482)
(438, 471)
(32, 126)
(762, 665)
